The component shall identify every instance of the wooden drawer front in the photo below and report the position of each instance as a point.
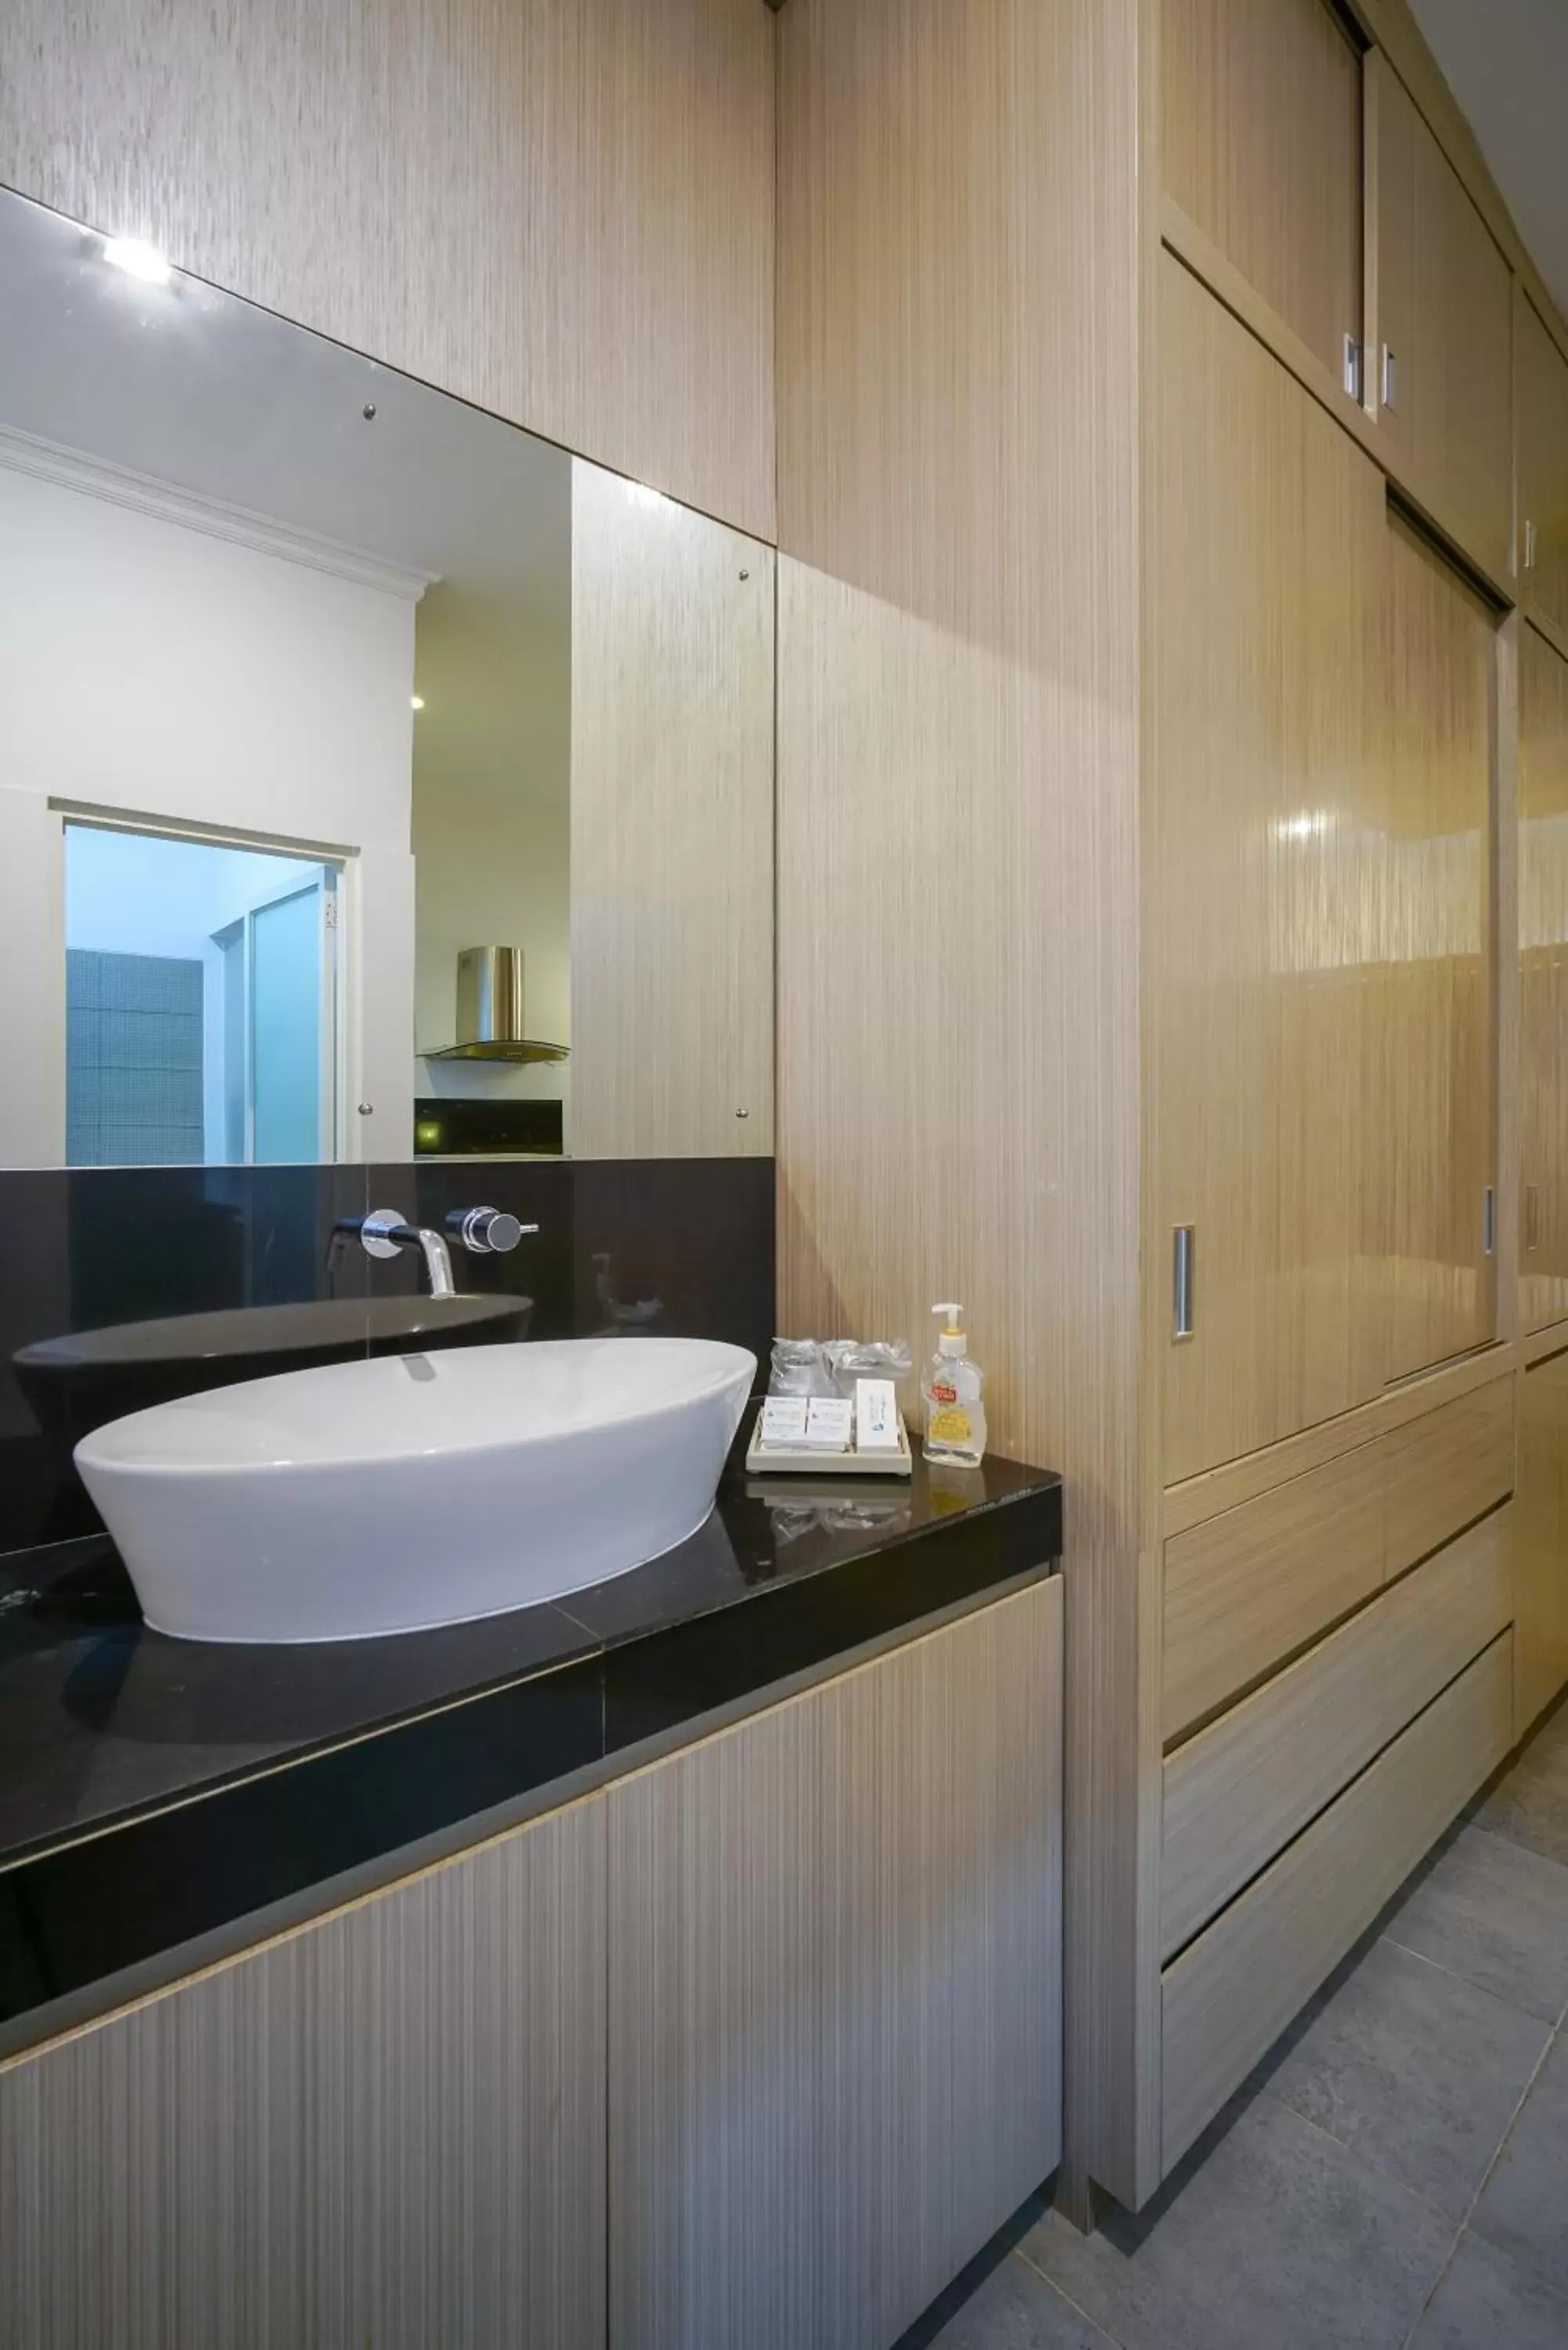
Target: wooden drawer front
(1245, 1590)
(1445, 1470)
(1238, 1793)
(1248, 1588)
(1232, 1991)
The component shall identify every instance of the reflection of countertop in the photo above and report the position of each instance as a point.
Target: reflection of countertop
(162, 1801)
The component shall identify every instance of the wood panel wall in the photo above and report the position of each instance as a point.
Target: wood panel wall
(562, 213)
(957, 781)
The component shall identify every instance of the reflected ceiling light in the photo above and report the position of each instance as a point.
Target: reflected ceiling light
(643, 496)
(1310, 826)
(137, 259)
(416, 702)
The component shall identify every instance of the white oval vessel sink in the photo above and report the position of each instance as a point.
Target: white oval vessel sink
(395, 1494)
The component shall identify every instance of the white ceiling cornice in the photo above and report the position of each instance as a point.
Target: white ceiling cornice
(71, 469)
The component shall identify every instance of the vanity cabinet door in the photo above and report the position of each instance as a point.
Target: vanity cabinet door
(834, 2003)
(1443, 367)
(385, 2128)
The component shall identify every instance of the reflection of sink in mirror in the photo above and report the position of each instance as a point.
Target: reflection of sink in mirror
(433, 753)
(75, 1384)
(391, 1495)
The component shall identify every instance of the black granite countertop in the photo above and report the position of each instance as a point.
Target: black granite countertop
(156, 1792)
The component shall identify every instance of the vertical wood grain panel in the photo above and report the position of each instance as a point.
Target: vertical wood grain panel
(1542, 463)
(1540, 1542)
(834, 1996)
(389, 2127)
(958, 746)
(1445, 311)
(1544, 981)
(672, 829)
(563, 212)
(1260, 136)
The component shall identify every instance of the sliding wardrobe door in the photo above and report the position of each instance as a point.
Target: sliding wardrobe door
(1270, 535)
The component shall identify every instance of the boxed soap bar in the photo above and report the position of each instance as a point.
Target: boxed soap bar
(830, 1424)
(782, 1421)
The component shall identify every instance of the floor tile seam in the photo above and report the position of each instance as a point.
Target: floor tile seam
(1057, 2287)
(1549, 2022)
(1497, 2156)
(1411, 2194)
(1515, 1844)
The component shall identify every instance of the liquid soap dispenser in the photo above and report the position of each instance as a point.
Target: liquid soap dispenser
(955, 1415)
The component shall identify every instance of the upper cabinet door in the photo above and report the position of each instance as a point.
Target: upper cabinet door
(1260, 136)
(1442, 372)
(1543, 467)
(1543, 960)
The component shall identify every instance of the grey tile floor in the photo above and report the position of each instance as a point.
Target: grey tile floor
(1395, 2176)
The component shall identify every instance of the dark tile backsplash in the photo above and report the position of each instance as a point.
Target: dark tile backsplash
(681, 1248)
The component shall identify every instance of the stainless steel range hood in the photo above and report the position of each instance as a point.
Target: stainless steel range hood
(490, 1011)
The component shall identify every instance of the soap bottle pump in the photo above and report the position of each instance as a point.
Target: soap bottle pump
(955, 1415)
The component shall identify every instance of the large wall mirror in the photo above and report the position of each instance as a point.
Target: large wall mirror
(376, 779)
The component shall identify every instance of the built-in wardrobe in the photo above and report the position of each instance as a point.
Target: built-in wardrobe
(1254, 614)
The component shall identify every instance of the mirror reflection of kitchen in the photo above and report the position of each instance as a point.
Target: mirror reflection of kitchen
(287, 777)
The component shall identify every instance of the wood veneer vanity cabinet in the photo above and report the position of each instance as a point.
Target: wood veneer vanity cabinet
(1542, 465)
(1442, 370)
(389, 2127)
(758, 2046)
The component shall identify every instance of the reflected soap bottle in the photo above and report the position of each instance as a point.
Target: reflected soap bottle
(951, 1388)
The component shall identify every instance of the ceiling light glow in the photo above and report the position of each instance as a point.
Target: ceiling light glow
(137, 259)
(416, 702)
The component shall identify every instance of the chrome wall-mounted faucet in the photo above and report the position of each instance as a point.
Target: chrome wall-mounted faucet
(483, 1232)
(383, 1233)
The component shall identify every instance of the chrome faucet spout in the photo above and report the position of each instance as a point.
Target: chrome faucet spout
(383, 1233)
(438, 1261)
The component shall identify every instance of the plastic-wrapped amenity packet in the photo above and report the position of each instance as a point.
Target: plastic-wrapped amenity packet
(798, 1369)
(830, 1367)
(848, 1359)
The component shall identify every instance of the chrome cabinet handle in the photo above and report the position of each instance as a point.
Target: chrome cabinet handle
(1390, 388)
(1185, 1238)
(1531, 1216)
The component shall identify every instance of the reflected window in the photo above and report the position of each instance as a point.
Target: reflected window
(200, 1001)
